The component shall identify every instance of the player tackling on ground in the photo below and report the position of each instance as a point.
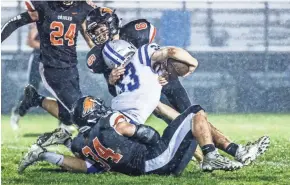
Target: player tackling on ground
(107, 141)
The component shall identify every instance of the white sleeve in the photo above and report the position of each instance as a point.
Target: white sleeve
(146, 51)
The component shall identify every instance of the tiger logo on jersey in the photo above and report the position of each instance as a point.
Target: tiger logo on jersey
(106, 10)
(88, 106)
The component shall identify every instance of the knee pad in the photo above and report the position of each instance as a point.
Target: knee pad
(63, 114)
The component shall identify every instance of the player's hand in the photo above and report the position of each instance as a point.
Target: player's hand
(115, 74)
(162, 80)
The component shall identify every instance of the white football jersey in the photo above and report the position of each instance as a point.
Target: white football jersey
(139, 90)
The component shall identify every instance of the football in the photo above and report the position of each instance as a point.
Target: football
(176, 68)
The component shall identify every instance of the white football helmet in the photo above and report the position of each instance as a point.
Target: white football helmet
(117, 52)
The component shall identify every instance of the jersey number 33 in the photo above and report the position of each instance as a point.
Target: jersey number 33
(133, 82)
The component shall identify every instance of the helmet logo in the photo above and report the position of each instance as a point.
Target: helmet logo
(106, 10)
(88, 106)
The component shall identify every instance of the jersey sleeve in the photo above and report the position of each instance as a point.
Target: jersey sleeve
(139, 32)
(87, 6)
(33, 5)
(116, 118)
(145, 53)
(152, 32)
(95, 61)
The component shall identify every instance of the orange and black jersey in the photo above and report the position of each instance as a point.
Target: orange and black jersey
(104, 147)
(138, 32)
(58, 30)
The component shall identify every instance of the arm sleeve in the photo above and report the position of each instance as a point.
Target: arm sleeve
(145, 53)
(13, 24)
(146, 134)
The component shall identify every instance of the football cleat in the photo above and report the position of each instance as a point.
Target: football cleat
(249, 153)
(56, 137)
(214, 161)
(30, 99)
(14, 119)
(68, 128)
(32, 156)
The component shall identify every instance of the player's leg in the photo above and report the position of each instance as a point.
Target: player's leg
(176, 95)
(64, 85)
(33, 79)
(37, 153)
(244, 154)
(189, 127)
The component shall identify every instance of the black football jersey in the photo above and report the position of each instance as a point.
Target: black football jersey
(103, 146)
(58, 31)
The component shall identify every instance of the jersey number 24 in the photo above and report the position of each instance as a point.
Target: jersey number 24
(57, 35)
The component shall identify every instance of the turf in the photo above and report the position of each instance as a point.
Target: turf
(271, 168)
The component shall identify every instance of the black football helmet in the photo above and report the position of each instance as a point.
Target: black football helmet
(87, 111)
(105, 17)
(63, 5)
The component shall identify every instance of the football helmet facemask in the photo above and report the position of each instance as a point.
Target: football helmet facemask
(102, 25)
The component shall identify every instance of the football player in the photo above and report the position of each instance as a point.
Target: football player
(103, 25)
(58, 24)
(107, 140)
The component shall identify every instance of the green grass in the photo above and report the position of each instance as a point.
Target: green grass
(271, 168)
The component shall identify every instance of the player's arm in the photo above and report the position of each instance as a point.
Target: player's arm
(167, 111)
(31, 40)
(18, 21)
(85, 35)
(176, 53)
(142, 133)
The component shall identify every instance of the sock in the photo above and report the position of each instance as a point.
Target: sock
(52, 158)
(232, 149)
(40, 100)
(207, 148)
(68, 143)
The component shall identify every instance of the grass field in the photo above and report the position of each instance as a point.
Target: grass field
(271, 168)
